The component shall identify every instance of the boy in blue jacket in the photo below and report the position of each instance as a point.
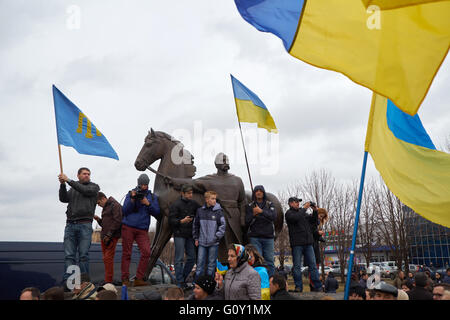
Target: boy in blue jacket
(139, 204)
(208, 229)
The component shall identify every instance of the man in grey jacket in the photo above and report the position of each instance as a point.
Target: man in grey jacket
(81, 199)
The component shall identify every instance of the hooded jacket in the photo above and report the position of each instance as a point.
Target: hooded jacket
(209, 225)
(137, 215)
(261, 225)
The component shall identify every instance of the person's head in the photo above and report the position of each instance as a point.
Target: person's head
(187, 192)
(277, 282)
(401, 274)
(204, 286)
(143, 181)
(420, 279)
(101, 199)
(439, 290)
(258, 193)
(437, 275)
(254, 257)
(446, 295)
(294, 202)
(323, 215)
(84, 175)
(236, 255)
(410, 275)
(54, 293)
(30, 293)
(174, 294)
(385, 291)
(356, 293)
(222, 162)
(106, 295)
(364, 275)
(448, 272)
(402, 295)
(370, 294)
(211, 198)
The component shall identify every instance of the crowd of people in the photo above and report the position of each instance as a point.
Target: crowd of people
(249, 273)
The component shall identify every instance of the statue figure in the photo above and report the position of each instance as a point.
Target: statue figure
(171, 174)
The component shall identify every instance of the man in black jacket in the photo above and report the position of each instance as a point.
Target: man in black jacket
(259, 218)
(81, 199)
(419, 292)
(181, 216)
(278, 288)
(301, 240)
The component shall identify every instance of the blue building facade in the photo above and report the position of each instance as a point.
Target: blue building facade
(429, 242)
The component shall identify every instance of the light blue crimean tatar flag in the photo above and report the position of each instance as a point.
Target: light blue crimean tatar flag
(74, 129)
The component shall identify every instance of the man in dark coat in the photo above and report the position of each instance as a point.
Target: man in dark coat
(331, 284)
(278, 288)
(301, 240)
(259, 218)
(181, 217)
(420, 292)
(81, 200)
(111, 223)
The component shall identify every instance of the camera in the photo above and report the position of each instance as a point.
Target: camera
(312, 204)
(140, 193)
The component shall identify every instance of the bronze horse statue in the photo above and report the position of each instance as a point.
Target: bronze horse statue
(161, 146)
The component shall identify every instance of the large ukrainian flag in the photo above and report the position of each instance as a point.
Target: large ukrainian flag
(405, 156)
(250, 108)
(397, 58)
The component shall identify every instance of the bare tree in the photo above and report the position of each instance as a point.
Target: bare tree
(342, 221)
(368, 223)
(394, 223)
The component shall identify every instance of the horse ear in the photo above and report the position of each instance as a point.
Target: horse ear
(153, 134)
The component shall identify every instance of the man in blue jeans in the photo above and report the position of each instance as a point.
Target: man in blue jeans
(301, 238)
(259, 218)
(181, 217)
(81, 200)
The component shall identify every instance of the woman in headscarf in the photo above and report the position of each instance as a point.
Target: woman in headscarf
(241, 282)
(257, 262)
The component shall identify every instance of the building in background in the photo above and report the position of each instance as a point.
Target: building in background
(429, 242)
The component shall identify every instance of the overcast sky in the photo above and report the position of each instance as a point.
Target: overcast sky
(135, 65)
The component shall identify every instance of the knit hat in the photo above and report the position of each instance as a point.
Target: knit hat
(420, 279)
(207, 283)
(186, 188)
(143, 180)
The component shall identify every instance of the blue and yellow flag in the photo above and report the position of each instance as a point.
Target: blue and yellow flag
(395, 53)
(405, 156)
(250, 108)
(74, 129)
(220, 268)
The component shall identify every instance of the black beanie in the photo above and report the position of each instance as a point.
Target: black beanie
(207, 283)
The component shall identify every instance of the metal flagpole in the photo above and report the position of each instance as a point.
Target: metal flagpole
(245, 153)
(355, 228)
(242, 137)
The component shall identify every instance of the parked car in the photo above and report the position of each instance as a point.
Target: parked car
(388, 269)
(374, 266)
(41, 265)
(326, 269)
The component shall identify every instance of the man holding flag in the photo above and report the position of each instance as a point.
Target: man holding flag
(81, 200)
(75, 129)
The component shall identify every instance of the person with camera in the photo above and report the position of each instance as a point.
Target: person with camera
(81, 200)
(111, 223)
(139, 204)
(181, 217)
(259, 218)
(301, 240)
